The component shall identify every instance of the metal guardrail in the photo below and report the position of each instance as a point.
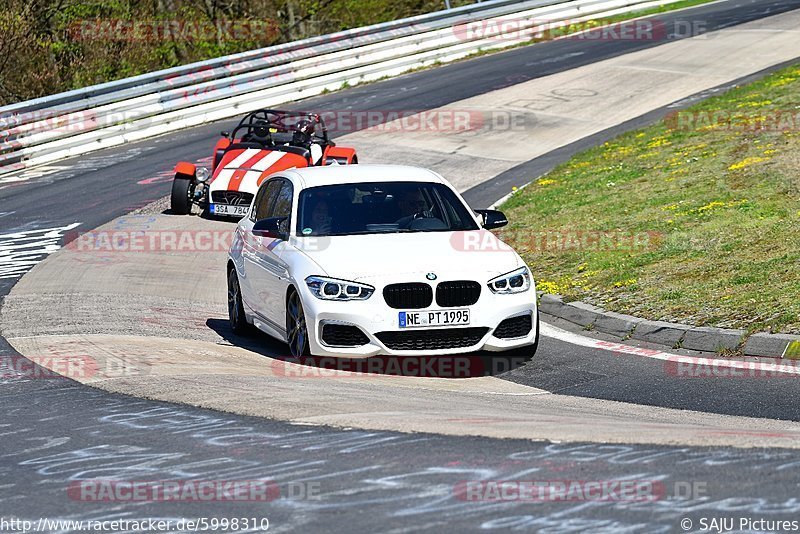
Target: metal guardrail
(202, 68)
(76, 122)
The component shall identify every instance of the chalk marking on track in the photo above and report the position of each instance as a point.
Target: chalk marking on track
(21, 251)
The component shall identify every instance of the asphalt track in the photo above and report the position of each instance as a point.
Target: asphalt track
(60, 432)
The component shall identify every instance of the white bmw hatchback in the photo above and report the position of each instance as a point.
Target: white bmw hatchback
(356, 261)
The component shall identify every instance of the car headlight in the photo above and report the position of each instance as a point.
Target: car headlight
(333, 289)
(202, 174)
(517, 281)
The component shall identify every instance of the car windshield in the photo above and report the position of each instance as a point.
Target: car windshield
(381, 207)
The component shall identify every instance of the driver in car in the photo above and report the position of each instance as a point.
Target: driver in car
(303, 132)
(411, 204)
(303, 137)
(259, 133)
(320, 220)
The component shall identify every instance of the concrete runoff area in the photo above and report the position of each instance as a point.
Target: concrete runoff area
(527, 120)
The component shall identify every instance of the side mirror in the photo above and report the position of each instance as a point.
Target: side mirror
(272, 227)
(492, 218)
(223, 133)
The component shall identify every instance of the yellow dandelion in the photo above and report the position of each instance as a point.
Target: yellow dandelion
(746, 163)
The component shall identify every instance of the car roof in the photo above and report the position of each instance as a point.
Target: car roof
(348, 174)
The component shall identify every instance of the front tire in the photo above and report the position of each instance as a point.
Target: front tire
(296, 327)
(236, 315)
(181, 199)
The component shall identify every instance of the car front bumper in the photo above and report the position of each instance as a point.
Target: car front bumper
(375, 318)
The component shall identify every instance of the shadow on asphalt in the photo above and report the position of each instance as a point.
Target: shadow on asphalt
(467, 365)
(204, 214)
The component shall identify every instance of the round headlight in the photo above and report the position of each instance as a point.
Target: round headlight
(352, 291)
(331, 290)
(202, 174)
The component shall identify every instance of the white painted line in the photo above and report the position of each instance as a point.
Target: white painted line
(512, 193)
(693, 366)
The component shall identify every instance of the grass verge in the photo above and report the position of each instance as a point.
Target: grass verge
(695, 219)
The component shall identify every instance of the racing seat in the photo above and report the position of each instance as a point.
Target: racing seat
(316, 154)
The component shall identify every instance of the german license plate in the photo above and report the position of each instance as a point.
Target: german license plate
(430, 318)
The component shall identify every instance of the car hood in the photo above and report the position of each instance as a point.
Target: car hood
(446, 254)
(245, 169)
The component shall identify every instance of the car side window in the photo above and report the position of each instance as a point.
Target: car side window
(283, 202)
(265, 199)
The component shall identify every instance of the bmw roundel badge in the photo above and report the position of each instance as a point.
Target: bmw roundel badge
(430, 276)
